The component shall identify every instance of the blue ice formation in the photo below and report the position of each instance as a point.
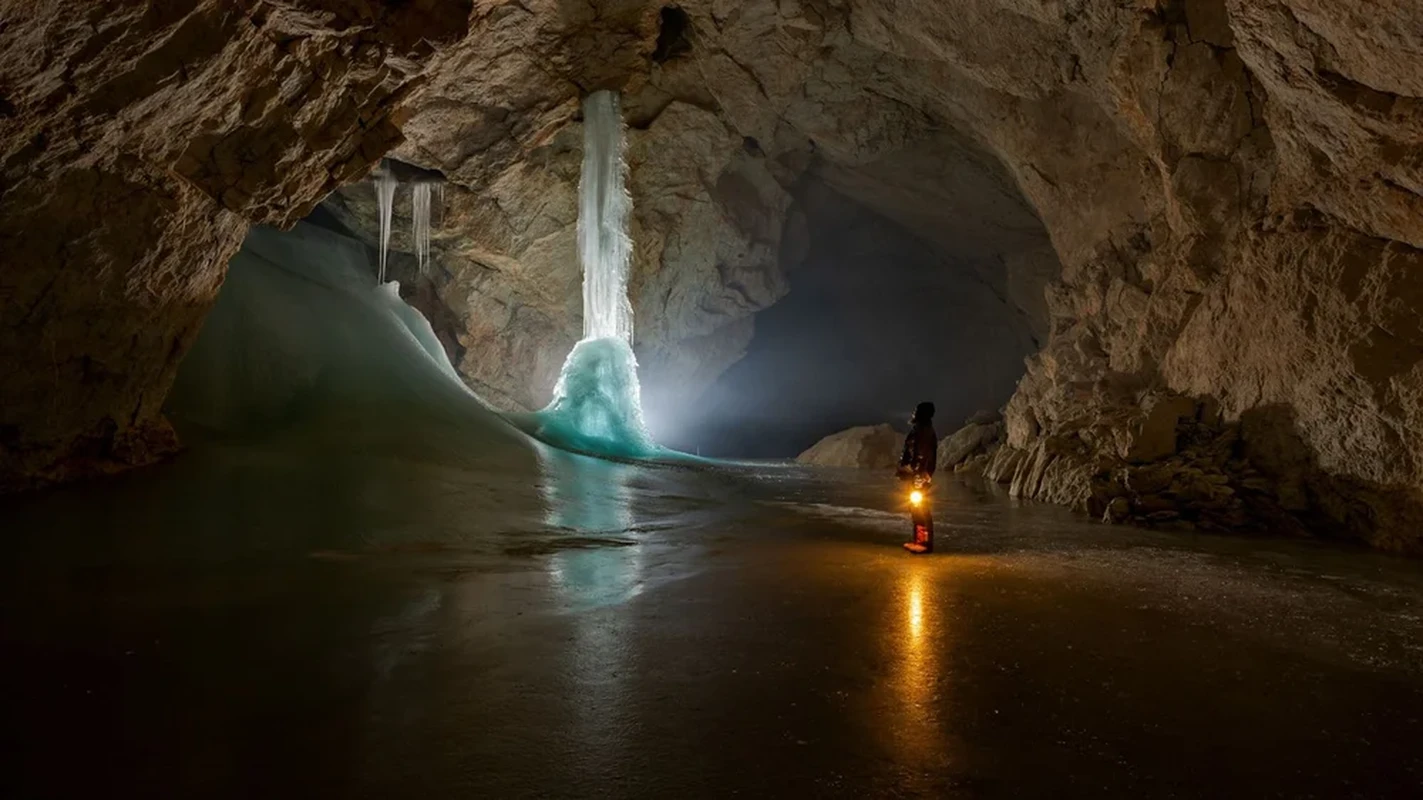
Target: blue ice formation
(301, 341)
(597, 404)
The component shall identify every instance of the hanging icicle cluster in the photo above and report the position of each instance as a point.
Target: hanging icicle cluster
(421, 193)
(385, 198)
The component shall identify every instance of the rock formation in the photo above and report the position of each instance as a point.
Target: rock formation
(139, 141)
(866, 447)
(1206, 211)
(968, 448)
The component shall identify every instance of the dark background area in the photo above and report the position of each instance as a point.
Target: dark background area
(876, 321)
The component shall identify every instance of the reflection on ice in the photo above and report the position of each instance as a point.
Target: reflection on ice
(590, 499)
(586, 495)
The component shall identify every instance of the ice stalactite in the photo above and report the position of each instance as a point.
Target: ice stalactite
(385, 183)
(420, 217)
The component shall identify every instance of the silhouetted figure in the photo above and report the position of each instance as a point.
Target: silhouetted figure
(916, 467)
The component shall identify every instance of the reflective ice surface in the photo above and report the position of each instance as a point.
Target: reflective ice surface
(302, 618)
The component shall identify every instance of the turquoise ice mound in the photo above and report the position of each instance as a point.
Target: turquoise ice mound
(596, 407)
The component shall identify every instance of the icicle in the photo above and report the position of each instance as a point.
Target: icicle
(385, 196)
(420, 219)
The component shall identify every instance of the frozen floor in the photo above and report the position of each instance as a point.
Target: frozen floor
(290, 622)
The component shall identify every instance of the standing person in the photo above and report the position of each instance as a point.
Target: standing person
(916, 467)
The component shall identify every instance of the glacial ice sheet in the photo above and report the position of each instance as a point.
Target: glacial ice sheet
(303, 343)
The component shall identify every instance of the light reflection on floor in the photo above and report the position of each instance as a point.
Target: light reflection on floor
(917, 632)
(590, 500)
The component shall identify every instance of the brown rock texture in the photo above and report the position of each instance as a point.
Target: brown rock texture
(866, 447)
(137, 142)
(969, 448)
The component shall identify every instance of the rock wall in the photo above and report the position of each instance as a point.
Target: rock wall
(1264, 283)
(137, 142)
(1232, 189)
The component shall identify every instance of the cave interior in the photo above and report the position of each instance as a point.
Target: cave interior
(1158, 263)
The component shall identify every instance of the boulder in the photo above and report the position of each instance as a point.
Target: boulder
(865, 447)
(973, 439)
(1153, 435)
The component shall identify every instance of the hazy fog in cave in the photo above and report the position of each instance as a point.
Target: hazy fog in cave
(875, 322)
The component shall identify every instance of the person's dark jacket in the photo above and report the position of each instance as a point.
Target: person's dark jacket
(921, 451)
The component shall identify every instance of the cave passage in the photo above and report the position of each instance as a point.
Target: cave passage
(362, 581)
(876, 320)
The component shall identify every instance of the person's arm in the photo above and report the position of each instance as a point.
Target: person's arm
(907, 467)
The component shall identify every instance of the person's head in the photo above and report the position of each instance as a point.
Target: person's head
(923, 413)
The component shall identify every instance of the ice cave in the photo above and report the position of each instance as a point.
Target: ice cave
(831, 398)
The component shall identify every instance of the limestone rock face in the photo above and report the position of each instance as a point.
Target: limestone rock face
(866, 447)
(137, 142)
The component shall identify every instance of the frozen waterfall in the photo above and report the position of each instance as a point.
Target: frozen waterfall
(597, 403)
(603, 208)
(385, 196)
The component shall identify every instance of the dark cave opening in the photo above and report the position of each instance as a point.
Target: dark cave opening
(876, 320)
(673, 36)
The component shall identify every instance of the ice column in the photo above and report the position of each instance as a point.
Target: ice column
(603, 208)
(597, 403)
